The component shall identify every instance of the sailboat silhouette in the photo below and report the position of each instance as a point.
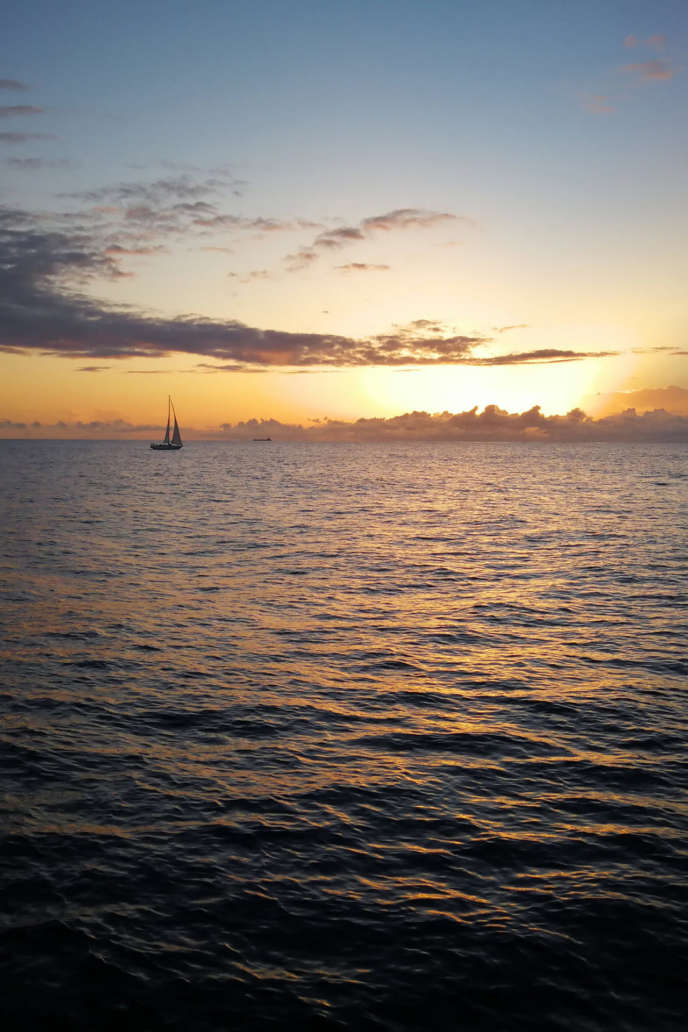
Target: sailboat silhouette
(176, 442)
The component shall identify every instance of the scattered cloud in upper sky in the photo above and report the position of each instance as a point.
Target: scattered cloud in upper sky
(182, 187)
(598, 104)
(17, 137)
(657, 68)
(28, 164)
(342, 236)
(17, 110)
(12, 84)
(655, 41)
(653, 69)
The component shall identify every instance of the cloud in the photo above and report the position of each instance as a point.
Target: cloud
(299, 259)
(539, 356)
(362, 267)
(9, 137)
(492, 424)
(179, 204)
(341, 236)
(118, 251)
(410, 218)
(513, 326)
(649, 70)
(656, 41)
(598, 104)
(42, 306)
(12, 84)
(93, 368)
(78, 429)
(46, 264)
(37, 163)
(333, 238)
(15, 110)
(183, 187)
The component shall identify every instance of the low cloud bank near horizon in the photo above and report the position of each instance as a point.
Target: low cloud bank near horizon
(492, 424)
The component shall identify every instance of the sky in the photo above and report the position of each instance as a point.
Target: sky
(318, 213)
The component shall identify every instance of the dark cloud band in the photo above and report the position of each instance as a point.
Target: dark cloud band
(42, 308)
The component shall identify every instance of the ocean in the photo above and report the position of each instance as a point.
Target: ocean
(344, 737)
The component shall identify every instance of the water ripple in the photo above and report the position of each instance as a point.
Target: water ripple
(329, 737)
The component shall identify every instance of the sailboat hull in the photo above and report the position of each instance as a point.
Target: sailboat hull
(166, 447)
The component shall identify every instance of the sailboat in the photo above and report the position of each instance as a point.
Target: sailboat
(175, 443)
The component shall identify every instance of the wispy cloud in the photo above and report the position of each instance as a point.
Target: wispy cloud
(17, 110)
(117, 251)
(539, 356)
(411, 218)
(29, 164)
(658, 68)
(513, 326)
(656, 42)
(12, 137)
(181, 204)
(362, 267)
(182, 187)
(654, 69)
(342, 236)
(598, 104)
(13, 84)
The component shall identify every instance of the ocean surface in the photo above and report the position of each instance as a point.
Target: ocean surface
(378, 737)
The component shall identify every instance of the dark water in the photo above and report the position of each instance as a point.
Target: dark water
(344, 737)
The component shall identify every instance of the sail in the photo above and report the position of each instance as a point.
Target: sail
(176, 436)
(167, 432)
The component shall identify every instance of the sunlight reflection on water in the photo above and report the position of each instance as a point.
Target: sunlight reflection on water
(344, 735)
